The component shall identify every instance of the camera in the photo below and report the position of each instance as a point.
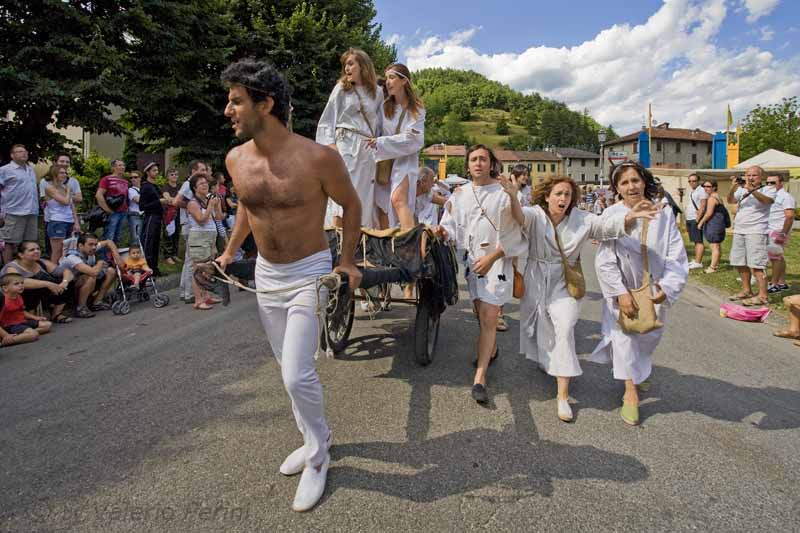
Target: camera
(210, 195)
(740, 180)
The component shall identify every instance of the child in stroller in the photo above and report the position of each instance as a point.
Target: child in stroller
(135, 282)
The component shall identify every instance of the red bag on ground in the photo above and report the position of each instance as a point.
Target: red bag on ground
(747, 314)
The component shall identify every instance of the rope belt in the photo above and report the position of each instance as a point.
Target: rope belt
(332, 282)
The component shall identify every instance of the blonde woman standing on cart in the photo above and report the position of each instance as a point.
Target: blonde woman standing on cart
(352, 117)
(403, 120)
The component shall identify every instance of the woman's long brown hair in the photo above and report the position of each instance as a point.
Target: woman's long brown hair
(414, 103)
(368, 77)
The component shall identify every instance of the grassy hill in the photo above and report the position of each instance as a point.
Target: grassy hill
(482, 127)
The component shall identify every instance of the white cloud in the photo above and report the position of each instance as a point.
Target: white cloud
(767, 33)
(671, 60)
(759, 8)
(394, 39)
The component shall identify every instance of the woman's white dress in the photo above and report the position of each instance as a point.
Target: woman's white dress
(404, 148)
(478, 232)
(342, 124)
(619, 267)
(548, 314)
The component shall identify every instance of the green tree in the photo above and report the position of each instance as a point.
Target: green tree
(501, 127)
(59, 67)
(450, 132)
(455, 165)
(773, 126)
(77, 63)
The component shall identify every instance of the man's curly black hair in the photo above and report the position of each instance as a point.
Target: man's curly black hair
(261, 80)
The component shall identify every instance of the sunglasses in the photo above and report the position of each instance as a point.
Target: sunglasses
(772, 183)
(707, 186)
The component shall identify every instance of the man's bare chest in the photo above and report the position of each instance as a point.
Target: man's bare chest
(259, 187)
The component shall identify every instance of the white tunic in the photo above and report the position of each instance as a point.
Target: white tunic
(477, 235)
(425, 210)
(404, 148)
(342, 124)
(548, 313)
(619, 265)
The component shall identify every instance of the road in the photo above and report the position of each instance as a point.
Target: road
(174, 420)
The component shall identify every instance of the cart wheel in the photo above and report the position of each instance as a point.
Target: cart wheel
(115, 307)
(145, 295)
(124, 308)
(339, 320)
(426, 330)
(161, 300)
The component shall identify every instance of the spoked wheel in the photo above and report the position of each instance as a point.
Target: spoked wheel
(339, 319)
(161, 300)
(426, 328)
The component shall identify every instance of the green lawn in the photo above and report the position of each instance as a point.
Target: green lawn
(725, 278)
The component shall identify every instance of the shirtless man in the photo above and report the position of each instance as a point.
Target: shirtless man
(283, 182)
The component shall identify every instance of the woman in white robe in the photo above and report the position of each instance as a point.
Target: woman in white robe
(403, 122)
(620, 268)
(472, 219)
(548, 313)
(351, 117)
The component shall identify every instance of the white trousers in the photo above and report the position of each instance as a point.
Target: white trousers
(292, 328)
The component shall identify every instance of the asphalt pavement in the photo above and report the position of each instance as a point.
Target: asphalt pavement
(176, 420)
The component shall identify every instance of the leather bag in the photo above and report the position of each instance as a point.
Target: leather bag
(573, 275)
(646, 319)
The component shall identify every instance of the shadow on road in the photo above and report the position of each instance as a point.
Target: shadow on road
(465, 461)
(674, 392)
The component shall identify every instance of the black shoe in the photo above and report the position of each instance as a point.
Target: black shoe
(479, 393)
(491, 361)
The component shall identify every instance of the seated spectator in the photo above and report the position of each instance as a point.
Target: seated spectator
(18, 325)
(46, 284)
(792, 304)
(93, 277)
(135, 268)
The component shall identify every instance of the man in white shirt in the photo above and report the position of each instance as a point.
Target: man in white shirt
(750, 233)
(781, 219)
(19, 204)
(694, 211)
(428, 200)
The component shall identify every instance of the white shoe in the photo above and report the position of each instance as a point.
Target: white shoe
(695, 264)
(365, 306)
(311, 486)
(564, 411)
(296, 461)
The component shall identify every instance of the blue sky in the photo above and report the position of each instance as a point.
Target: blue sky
(718, 46)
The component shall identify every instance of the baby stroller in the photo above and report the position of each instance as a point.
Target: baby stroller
(127, 292)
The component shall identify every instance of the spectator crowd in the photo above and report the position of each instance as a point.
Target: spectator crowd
(62, 271)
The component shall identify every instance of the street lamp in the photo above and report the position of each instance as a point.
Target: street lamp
(601, 136)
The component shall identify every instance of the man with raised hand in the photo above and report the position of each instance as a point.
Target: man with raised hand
(283, 182)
